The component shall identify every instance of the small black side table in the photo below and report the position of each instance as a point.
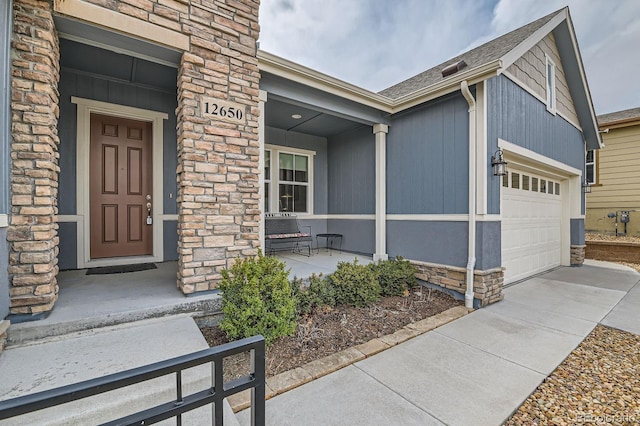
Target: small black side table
(330, 240)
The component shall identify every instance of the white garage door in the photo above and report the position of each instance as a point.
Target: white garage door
(531, 223)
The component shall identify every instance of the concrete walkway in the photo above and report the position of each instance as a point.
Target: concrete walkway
(476, 370)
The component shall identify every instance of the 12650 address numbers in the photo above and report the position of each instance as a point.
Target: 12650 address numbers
(223, 110)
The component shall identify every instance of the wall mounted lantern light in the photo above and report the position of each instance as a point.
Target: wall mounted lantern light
(586, 186)
(498, 164)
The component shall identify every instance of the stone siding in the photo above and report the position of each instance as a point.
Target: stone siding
(4, 327)
(32, 232)
(218, 160)
(487, 285)
(577, 255)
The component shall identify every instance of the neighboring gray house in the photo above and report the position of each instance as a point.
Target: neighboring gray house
(404, 172)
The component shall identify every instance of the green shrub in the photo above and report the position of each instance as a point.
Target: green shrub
(319, 292)
(355, 284)
(257, 299)
(395, 276)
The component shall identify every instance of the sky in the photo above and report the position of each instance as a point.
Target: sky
(375, 44)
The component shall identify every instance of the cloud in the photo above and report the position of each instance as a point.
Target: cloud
(375, 44)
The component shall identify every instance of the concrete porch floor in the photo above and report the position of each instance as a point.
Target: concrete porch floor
(87, 302)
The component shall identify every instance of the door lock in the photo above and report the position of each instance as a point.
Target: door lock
(149, 218)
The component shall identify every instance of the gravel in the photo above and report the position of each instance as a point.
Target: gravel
(592, 236)
(598, 383)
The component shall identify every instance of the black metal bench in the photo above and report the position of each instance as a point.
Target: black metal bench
(284, 229)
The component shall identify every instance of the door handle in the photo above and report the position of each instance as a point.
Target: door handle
(149, 218)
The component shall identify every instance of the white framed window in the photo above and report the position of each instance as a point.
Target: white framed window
(590, 167)
(551, 85)
(288, 180)
(267, 180)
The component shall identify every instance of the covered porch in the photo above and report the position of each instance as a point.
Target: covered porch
(88, 302)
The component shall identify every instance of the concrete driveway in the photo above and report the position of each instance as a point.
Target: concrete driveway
(478, 369)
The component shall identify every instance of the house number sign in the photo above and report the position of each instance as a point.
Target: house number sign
(223, 110)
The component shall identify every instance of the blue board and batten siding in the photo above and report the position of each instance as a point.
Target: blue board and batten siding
(351, 173)
(427, 159)
(428, 173)
(5, 137)
(517, 117)
(444, 242)
(106, 90)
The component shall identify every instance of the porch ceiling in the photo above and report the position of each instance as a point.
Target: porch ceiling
(124, 68)
(278, 114)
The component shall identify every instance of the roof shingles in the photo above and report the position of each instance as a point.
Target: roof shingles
(476, 57)
(613, 117)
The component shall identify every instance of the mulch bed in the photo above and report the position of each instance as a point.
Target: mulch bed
(329, 330)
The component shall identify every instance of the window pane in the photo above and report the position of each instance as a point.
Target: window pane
(266, 197)
(505, 180)
(267, 165)
(285, 198)
(515, 180)
(301, 168)
(534, 184)
(525, 182)
(300, 198)
(549, 187)
(590, 156)
(286, 167)
(590, 174)
(543, 185)
(557, 189)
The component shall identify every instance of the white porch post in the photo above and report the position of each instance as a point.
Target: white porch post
(380, 131)
(261, 133)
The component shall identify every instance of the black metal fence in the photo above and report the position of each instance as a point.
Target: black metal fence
(255, 381)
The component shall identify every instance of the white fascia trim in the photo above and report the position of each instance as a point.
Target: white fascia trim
(514, 54)
(284, 68)
(449, 85)
(527, 155)
(4, 220)
(527, 89)
(583, 76)
(276, 65)
(83, 136)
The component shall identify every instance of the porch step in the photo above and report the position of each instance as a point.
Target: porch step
(74, 358)
(60, 324)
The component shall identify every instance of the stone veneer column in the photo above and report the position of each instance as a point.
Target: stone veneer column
(218, 160)
(32, 232)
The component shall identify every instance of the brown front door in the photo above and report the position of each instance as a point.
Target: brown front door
(120, 187)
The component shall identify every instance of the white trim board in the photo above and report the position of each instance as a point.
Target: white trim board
(405, 217)
(527, 89)
(337, 216)
(85, 107)
(527, 155)
(4, 220)
(442, 217)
